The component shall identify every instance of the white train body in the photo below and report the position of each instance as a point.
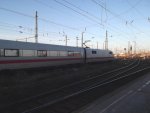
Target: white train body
(15, 55)
(96, 55)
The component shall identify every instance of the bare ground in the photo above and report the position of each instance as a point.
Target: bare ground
(23, 83)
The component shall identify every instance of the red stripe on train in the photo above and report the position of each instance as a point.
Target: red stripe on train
(46, 60)
(35, 60)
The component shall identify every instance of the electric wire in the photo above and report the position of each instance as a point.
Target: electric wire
(91, 15)
(84, 15)
(118, 16)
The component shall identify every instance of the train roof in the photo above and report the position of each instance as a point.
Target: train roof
(34, 46)
(9, 44)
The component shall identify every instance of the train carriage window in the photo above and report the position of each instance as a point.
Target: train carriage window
(110, 52)
(94, 52)
(42, 53)
(53, 53)
(77, 54)
(11, 52)
(63, 53)
(70, 53)
(29, 53)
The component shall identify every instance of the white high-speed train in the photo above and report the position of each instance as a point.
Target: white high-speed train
(15, 55)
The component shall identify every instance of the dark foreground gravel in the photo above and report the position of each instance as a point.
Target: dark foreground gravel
(18, 84)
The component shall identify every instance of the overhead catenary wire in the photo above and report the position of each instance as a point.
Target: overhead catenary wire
(104, 4)
(17, 27)
(46, 5)
(41, 19)
(45, 20)
(89, 14)
(22, 30)
(19, 13)
(117, 16)
(49, 21)
(114, 14)
(132, 6)
(82, 14)
(23, 14)
(16, 12)
(78, 8)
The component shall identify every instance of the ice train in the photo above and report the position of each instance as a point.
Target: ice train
(15, 55)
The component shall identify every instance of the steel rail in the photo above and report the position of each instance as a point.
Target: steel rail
(79, 92)
(78, 82)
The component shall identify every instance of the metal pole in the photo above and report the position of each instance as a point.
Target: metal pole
(82, 40)
(97, 45)
(36, 28)
(128, 48)
(106, 42)
(77, 41)
(66, 39)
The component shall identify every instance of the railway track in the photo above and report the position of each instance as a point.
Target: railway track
(71, 97)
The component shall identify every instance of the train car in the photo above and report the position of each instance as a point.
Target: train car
(97, 55)
(15, 55)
